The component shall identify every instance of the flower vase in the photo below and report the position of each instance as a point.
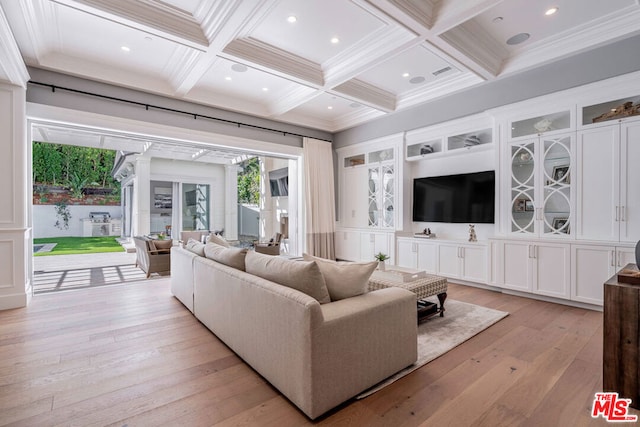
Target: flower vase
(381, 265)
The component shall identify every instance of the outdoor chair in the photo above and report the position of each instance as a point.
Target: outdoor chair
(151, 258)
(272, 247)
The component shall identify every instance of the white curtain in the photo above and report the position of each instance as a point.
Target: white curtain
(319, 198)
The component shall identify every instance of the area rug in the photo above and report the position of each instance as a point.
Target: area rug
(438, 335)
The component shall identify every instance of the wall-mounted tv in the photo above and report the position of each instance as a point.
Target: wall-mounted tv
(279, 182)
(463, 198)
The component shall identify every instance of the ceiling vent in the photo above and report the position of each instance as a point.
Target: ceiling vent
(442, 70)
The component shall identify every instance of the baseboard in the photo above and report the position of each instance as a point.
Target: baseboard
(18, 300)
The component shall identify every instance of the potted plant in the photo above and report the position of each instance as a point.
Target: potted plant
(381, 259)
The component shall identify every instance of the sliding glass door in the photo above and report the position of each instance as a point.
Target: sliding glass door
(195, 207)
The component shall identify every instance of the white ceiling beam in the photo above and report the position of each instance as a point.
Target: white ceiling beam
(451, 13)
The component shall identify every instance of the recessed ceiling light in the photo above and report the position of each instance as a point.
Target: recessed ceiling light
(551, 11)
(265, 89)
(125, 48)
(518, 38)
(330, 107)
(292, 19)
(405, 74)
(335, 40)
(228, 78)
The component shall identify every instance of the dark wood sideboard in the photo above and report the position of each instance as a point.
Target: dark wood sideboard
(621, 352)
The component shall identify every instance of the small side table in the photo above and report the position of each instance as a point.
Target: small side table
(621, 352)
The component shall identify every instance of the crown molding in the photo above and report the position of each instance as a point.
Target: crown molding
(291, 99)
(441, 87)
(588, 36)
(358, 58)
(154, 16)
(180, 68)
(452, 13)
(421, 11)
(13, 67)
(270, 58)
(367, 94)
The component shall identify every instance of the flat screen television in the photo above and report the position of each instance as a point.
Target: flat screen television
(279, 182)
(464, 198)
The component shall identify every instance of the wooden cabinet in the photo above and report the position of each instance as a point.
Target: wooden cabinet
(621, 349)
(592, 265)
(608, 200)
(541, 267)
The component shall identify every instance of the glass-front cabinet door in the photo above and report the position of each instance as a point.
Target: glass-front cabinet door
(523, 185)
(556, 202)
(381, 187)
(540, 194)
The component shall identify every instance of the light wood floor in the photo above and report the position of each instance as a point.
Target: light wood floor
(132, 355)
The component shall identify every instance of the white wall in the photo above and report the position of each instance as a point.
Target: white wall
(44, 219)
(196, 173)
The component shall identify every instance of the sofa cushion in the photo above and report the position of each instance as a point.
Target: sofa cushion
(218, 240)
(161, 245)
(233, 257)
(304, 276)
(344, 279)
(195, 246)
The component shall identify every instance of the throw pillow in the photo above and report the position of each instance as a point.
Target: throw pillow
(218, 240)
(194, 246)
(233, 257)
(344, 279)
(162, 244)
(304, 276)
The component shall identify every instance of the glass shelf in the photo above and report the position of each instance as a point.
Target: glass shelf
(470, 139)
(541, 124)
(424, 148)
(354, 160)
(611, 110)
(381, 156)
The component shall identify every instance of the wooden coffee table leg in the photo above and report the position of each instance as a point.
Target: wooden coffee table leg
(441, 298)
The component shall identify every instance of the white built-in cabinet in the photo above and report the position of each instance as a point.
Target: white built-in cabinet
(593, 265)
(449, 258)
(542, 267)
(368, 198)
(419, 254)
(608, 200)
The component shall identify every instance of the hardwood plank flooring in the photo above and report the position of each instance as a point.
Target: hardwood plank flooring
(132, 355)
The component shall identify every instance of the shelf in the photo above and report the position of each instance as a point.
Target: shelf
(611, 110)
(541, 124)
(470, 139)
(356, 160)
(424, 149)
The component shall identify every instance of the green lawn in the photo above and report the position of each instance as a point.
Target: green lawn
(79, 245)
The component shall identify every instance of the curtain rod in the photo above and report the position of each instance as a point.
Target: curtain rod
(173, 110)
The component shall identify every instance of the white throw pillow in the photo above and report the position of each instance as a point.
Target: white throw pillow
(218, 240)
(194, 246)
(304, 276)
(233, 257)
(344, 279)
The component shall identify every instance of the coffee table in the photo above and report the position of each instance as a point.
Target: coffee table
(419, 282)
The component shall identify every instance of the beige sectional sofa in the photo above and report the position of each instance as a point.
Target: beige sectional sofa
(317, 355)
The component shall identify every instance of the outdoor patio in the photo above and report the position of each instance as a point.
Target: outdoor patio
(67, 272)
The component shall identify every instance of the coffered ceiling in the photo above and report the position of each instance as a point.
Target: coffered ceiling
(326, 64)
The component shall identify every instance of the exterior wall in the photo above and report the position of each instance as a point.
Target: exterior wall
(44, 219)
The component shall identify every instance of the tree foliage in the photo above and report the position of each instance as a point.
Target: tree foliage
(249, 181)
(68, 165)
